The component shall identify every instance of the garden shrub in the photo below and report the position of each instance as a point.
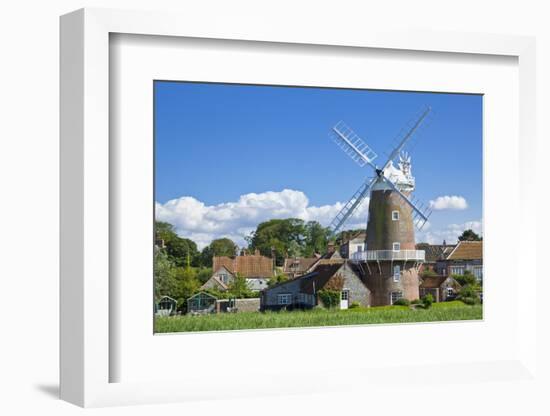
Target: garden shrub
(427, 301)
(468, 295)
(354, 305)
(329, 298)
(402, 302)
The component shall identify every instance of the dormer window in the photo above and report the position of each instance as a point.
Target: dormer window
(395, 215)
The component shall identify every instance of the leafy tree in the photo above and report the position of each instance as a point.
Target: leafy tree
(284, 236)
(469, 235)
(278, 278)
(187, 285)
(465, 279)
(218, 247)
(316, 238)
(203, 274)
(164, 275)
(238, 287)
(181, 250)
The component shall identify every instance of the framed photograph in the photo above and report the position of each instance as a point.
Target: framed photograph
(273, 195)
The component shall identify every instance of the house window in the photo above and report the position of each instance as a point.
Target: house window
(394, 296)
(284, 299)
(223, 278)
(345, 295)
(450, 291)
(396, 246)
(478, 272)
(396, 273)
(359, 249)
(395, 215)
(457, 270)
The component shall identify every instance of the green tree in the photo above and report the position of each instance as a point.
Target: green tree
(238, 287)
(187, 285)
(178, 248)
(164, 275)
(284, 236)
(469, 235)
(465, 279)
(218, 247)
(278, 278)
(316, 238)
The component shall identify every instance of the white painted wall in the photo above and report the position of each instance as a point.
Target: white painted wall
(29, 172)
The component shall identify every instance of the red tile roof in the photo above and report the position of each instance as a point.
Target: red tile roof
(467, 250)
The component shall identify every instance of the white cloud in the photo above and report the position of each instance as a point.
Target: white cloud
(448, 202)
(236, 220)
(449, 234)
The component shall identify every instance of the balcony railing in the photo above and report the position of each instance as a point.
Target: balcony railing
(379, 255)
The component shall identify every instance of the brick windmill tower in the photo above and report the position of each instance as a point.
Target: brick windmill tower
(390, 259)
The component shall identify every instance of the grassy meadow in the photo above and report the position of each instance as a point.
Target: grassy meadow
(444, 311)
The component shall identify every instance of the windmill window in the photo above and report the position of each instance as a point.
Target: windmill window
(394, 296)
(396, 246)
(396, 273)
(395, 215)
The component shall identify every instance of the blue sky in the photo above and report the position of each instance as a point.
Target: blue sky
(215, 143)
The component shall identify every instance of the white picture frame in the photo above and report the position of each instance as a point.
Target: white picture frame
(87, 293)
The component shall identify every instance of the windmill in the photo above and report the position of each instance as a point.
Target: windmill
(390, 257)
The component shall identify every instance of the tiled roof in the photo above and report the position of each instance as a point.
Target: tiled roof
(435, 252)
(250, 266)
(467, 250)
(299, 265)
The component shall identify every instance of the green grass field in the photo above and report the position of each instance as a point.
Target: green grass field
(445, 311)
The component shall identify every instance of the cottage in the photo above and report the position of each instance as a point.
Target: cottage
(257, 269)
(466, 256)
(302, 292)
(220, 280)
(442, 288)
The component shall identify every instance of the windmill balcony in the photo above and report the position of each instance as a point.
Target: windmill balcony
(389, 255)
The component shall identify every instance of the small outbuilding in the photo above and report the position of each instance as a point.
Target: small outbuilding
(201, 303)
(166, 306)
(442, 288)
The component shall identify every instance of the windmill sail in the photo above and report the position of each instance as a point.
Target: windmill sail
(420, 213)
(352, 145)
(407, 135)
(350, 206)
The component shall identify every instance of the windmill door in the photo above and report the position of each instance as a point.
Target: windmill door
(344, 299)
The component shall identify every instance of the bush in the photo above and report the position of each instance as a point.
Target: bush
(465, 279)
(329, 298)
(427, 301)
(402, 302)
(416, 302)
(468, 295)
(354, 305)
